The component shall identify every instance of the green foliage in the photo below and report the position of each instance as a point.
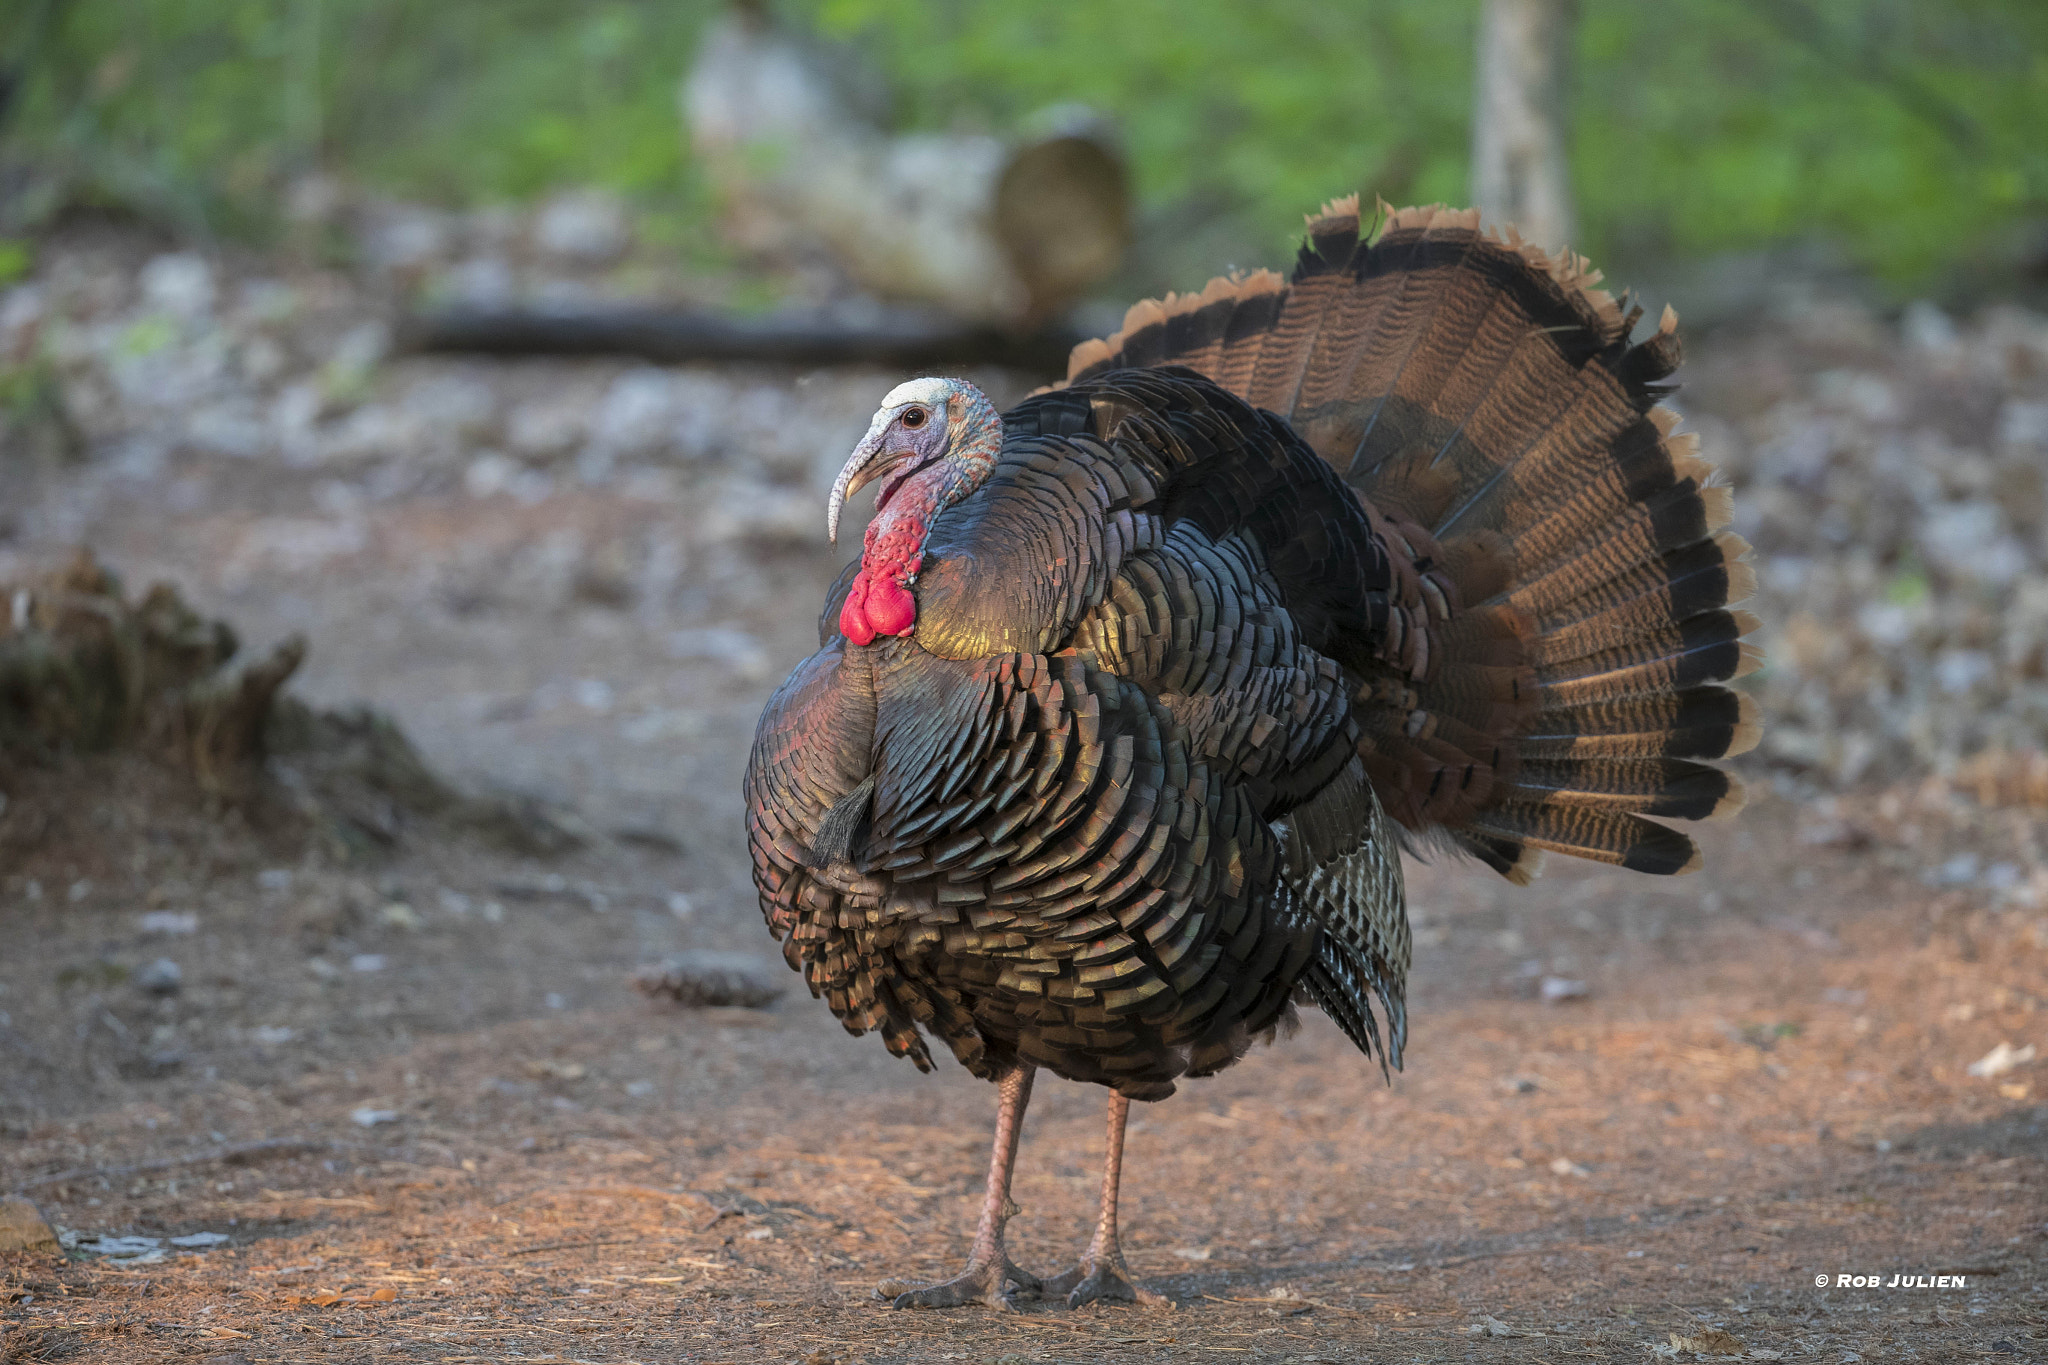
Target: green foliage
(147, 336)
(1906, 130)
(15, 260)
(1908, 585)
(202, 110)
(100, 974)
(35, 424)
(1274, 107)
(1902, 129)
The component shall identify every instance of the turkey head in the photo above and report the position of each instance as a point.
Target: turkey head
(931, 443)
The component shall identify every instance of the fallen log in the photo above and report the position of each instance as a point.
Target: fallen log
(793, 137)
(896, 340)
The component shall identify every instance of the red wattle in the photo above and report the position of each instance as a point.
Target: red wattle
(876, 604)
(891, 610)
(853, 622)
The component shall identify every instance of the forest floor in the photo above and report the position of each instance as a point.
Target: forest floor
(418, 1099)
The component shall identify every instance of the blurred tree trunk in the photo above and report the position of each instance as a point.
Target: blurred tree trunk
(1520, 172)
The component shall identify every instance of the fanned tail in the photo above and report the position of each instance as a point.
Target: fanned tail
(1554, 674)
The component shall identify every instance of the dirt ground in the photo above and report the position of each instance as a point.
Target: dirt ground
(419, 1099)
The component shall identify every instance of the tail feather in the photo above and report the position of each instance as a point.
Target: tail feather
(1573, 574)
(1647, 622)
(1629, 527)
(1508, 855)
(1567, 598)
(1590, 832)
(1668, 640)
(1675, 787)
(1373, 354)
(1700, 722)
(1594, 833)
(1496, 358)
(1710, 655)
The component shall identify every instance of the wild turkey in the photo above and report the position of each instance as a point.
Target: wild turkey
(1118, 726)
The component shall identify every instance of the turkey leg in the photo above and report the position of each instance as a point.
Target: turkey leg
(990, 1272)
(1102, 1274)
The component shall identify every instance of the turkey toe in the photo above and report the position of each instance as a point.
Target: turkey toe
(998, 1286)
(1106, 1283)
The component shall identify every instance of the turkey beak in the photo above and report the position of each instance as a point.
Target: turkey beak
(861, 469)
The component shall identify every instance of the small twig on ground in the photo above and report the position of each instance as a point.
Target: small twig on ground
(1496, 1255)
(637, 1192)
(572, 1246)
(1304, 1304)
(1041, 1320)
(236, 1152)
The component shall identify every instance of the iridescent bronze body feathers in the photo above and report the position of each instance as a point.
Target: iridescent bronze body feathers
(1284, 573)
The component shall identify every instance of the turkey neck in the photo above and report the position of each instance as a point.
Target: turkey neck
(879, 601)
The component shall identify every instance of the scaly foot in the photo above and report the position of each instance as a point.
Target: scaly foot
(998, 1284)
(1106, 1281)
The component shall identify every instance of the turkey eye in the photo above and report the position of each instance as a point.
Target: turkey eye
(913, 418)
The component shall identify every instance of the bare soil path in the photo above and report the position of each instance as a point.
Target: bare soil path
(1751, 1096)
